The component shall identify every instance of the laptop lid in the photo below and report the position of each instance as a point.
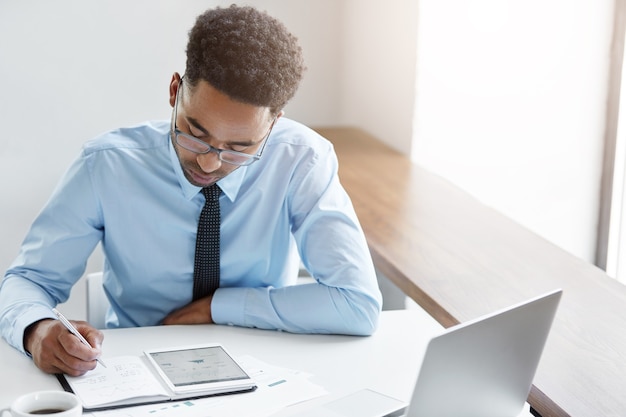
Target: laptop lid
(485, 367)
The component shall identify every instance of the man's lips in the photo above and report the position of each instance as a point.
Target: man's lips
(202, 178)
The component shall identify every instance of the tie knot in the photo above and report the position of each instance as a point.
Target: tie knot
(212, 192)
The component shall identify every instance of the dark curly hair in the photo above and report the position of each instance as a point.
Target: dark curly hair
(246, 54)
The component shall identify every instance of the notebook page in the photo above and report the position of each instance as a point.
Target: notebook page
(124, 377)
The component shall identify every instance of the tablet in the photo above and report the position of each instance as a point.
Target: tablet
(199, 368)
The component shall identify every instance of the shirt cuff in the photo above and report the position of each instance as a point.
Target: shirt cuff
(228, 306)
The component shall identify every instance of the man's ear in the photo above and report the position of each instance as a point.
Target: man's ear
(174, 85)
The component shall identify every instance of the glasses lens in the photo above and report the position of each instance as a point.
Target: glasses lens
(190, 143)
(237, 158)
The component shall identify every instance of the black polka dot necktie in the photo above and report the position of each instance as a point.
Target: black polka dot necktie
(206, 269)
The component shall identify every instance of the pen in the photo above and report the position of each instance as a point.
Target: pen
(73, 330)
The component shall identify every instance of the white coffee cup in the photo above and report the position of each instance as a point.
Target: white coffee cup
(47, 403)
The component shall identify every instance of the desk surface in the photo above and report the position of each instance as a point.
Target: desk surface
(341, 364)
(459, 259)
(387, 362)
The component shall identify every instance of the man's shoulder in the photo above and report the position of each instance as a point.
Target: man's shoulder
(292, 133)
(294, 151)
(147, 135)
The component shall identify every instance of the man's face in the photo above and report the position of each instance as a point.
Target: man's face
(212, 118)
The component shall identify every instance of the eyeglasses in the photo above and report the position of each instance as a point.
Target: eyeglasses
(198, 146)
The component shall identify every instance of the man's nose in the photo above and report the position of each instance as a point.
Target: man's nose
(209, 161)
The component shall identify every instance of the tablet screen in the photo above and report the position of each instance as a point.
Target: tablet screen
(196, 366)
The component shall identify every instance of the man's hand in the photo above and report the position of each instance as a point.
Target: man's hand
(196, 312)
(55, 349)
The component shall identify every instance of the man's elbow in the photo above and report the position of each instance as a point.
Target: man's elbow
(365, 318)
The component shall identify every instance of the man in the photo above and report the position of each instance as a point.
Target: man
(140, 191)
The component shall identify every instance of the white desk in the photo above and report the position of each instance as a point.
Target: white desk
(387, 362)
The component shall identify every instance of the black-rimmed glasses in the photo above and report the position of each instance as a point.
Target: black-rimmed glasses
(199, 146)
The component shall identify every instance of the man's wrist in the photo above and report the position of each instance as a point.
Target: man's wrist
(28, 334)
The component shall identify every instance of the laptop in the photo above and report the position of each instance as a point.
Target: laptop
(480, 368)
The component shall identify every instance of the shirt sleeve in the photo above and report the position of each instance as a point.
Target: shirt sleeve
(53, 255)
(345, 299)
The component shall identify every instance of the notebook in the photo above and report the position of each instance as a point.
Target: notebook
(161, 375)
(480, 368)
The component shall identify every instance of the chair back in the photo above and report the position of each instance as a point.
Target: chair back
(97, 301)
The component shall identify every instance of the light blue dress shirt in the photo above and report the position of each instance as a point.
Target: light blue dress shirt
(127, 191)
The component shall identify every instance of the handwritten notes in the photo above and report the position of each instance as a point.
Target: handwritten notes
(125, 377)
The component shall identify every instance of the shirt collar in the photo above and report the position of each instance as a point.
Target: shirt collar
(230, 185)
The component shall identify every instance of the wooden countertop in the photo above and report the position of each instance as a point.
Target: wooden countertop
(459, 259)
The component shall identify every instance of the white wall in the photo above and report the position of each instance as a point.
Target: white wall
(378, 68)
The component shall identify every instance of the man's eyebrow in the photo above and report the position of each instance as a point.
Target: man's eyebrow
(243, 142)
(197, 125)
